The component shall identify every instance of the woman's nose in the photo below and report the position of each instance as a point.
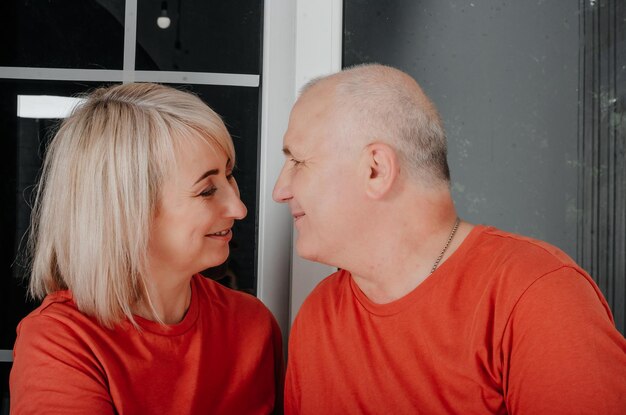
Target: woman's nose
(235, 207)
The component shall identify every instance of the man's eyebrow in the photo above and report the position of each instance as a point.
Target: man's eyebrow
(206, 174)
(286, 151)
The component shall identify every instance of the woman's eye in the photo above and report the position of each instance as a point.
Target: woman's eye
(229, 177)
(208, 192)
(296, 162)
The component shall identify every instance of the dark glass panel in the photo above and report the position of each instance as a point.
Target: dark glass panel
(86, 34)
(5, 368)
(239, 108)
(21, 151)
(203, 36)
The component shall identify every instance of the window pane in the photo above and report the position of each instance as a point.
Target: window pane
(63, 34)
(239, 108)
(203, 36)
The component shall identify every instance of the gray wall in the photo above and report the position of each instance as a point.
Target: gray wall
(504, 75)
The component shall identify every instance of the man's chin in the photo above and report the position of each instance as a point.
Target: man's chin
(310, 254)
(306, 252)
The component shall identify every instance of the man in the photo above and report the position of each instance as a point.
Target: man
(427, 314)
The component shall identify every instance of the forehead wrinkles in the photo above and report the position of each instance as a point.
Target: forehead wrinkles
(308, 127)
(321, 124)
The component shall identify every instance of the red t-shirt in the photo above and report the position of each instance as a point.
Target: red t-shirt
(224, 357)
(507, 325)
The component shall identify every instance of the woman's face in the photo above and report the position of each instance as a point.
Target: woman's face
(198, 205)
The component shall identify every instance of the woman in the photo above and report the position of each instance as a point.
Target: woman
(136, 197)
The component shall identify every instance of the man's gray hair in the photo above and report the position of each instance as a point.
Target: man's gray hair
(387, 105)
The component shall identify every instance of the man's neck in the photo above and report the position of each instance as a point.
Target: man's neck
(400, 266)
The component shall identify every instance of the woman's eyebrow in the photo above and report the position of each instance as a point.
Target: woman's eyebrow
(206, 174)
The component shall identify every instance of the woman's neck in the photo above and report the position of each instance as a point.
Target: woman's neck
(170, 300)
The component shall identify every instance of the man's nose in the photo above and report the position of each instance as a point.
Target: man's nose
(282, 188)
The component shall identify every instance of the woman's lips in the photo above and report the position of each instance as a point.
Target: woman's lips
(224, 235)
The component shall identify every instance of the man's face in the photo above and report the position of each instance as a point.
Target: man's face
(318, 179)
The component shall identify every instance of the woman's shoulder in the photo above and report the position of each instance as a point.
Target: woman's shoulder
(54, 332)
(235, 312)
(57, 317)
(58, 306)
(223, 298)
(53, 358)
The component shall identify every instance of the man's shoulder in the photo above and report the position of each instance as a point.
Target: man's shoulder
(510, 263)
(330, 284)
(497, 246)
(326, 292)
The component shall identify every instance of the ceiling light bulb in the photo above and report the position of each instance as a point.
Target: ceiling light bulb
(163, 21)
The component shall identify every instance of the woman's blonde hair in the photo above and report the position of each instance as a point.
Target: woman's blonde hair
(99, 190)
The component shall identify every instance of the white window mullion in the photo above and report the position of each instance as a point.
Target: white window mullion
(319, 33)
(130, 41)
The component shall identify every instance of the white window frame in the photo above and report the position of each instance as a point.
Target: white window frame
(301, 40)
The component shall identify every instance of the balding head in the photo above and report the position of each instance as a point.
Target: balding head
(386, 105)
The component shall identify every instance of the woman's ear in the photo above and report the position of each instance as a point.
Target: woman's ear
(382, 169)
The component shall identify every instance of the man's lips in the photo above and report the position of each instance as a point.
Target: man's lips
(297, 215)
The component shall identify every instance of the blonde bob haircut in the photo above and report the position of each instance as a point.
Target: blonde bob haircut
(99, 191)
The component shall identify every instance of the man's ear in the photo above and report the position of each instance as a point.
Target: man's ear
(381, 169)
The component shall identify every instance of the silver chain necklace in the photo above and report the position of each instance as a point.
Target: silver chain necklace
(443, 251)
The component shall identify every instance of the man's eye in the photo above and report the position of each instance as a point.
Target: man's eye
(295, 162)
